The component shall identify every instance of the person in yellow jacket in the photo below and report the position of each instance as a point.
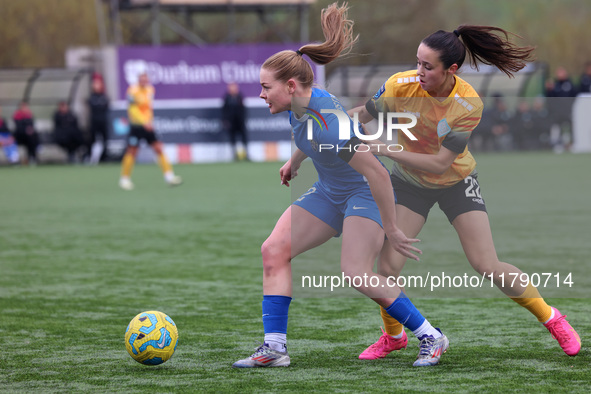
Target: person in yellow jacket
(141, 117)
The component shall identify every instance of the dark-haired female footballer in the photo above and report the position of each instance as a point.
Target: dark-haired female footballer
(340, 202)
(438, 167)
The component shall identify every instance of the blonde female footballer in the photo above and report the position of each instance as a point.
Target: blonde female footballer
(353, 197)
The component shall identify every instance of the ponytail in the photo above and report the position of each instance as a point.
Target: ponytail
(338, 35)
(486, 44)
(338, 39)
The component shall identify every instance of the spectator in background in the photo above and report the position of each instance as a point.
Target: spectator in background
(585, 82)
(7, 142)
(66, 131)
(482, 140)
(25, 133)
(561, 93)
(563, 86)
(500, 124)
(541, 117)
(234, 120)
(521, 127)
(98, 104)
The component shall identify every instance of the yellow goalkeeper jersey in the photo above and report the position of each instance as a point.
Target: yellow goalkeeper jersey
(139, 110)
(446, 123)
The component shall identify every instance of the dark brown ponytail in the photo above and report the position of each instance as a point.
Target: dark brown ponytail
(485, 44)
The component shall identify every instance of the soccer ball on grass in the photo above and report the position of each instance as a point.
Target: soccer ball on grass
(151, 338)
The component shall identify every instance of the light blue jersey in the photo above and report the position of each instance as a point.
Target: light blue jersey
(340, 190)
(334, 174)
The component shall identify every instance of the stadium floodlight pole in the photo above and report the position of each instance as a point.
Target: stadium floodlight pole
(100, 22)
(116, 22)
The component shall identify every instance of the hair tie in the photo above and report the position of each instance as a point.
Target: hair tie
(457, 33)
(299, 53)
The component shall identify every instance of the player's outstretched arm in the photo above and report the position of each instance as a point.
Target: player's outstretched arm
(381, 189)
(363, 114)
(433, 163)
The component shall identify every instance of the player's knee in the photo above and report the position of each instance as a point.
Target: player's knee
(488, 268)
(390, 262)
(274, 254)
(386, 268)
(351, 272)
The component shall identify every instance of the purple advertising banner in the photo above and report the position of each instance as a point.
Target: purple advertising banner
(189, 72)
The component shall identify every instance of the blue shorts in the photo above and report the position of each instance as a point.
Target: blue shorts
(333, 210)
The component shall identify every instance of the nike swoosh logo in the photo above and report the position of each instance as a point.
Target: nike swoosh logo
(162, 341)
(356, 207)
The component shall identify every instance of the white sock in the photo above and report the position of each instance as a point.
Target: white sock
(426, 329)
(276, 341)
(551, 317)
(95, 152)
(168, 176)
(398, 336)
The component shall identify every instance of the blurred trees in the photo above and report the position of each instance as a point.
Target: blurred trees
(36, 33)
(389, 31)
(559, 29)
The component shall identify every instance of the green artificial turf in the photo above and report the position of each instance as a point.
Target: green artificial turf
(79, 258)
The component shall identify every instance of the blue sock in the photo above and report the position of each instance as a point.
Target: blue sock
(405, 312)
(275, 309)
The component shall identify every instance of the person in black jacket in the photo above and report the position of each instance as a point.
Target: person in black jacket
(234, 120)
(561, 92)
(66, 131)
(25, 133)
(98, 104)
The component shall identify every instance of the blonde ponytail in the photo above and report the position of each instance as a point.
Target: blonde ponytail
(338, 39)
